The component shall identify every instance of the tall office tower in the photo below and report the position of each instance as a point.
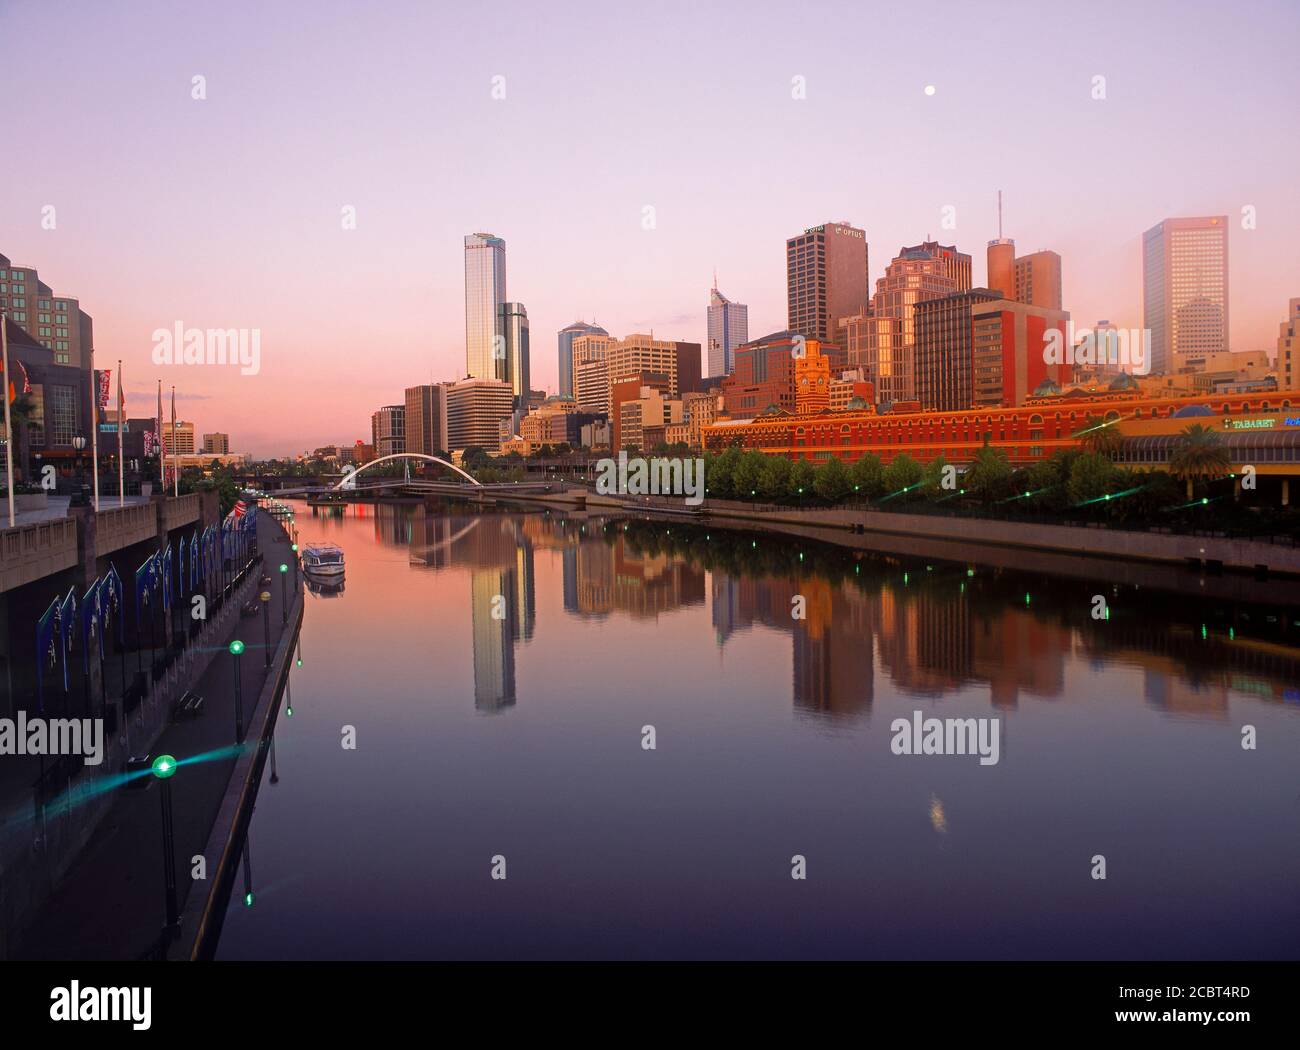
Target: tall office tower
(1007, 359)
(882, 343)
(728, 328)
(485, 293)
(1185, 288)
(1287, 361)
(514, 326)
(644, 353)
(566, 340)
(591, 370)
(388, 430)
(944, 355)
(56, 322)
(1038, 280)
(475, 408)
(426, 419)
(826, 279)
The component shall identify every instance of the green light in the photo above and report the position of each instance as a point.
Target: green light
(300, 662)
(905, 578)
(1204, 500)
(970, 572)
(284, 567)
(164, 766)
(1026, 597)
(248, 900)
(288, 712)
(1203, 632)
(295, 546)
(236, 647)
(1232, 634)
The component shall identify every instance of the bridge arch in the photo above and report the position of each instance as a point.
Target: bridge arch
(350, 480)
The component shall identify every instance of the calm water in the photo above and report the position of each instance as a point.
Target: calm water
(520, 735)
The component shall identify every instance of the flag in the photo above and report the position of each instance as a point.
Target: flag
(91, 622)
(166, 567)
(145, 580)
(46, 652)
(67, 627)
(27, 383)
(111, 601)
(103, 378)
(194, 562)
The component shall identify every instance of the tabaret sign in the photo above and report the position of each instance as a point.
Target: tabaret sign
(1254, 424)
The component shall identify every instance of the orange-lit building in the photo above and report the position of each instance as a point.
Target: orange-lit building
(1258, 429)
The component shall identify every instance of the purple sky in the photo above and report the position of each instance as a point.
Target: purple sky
(226, 212)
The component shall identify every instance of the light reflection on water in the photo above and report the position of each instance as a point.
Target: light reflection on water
(499, 671)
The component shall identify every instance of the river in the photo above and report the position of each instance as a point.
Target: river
(503, 674)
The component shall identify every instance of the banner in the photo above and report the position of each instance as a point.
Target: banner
(67, 629)
(46, 648)
(111, 602)
(103, 376)
(167, 579)
(91, 623)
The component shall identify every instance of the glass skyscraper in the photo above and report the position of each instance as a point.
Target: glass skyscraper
(485, 294)
(514, 370)
(1185, 288)
(567, 336)
(728, 329)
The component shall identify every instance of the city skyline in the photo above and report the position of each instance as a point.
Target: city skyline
(161, 233)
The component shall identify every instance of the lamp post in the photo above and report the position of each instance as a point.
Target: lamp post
(266, 623)
(295, 568)
(284, 594)
(163, 768)
(79, 444)
(236, 651)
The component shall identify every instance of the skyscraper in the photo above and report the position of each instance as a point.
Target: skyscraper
(566, 338)
(1185, 288)
(728, 328)
(426, 419)
(388, 430)
(944, 349)
(514, 328)
(485, 294)
(883, 343)
(826, 279)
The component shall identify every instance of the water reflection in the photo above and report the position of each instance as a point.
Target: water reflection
(932, 627)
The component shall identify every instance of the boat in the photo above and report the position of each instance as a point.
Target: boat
(322, 560)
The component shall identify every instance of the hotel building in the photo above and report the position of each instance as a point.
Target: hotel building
(56, 322)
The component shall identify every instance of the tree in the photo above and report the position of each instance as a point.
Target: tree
(1199, 454)
(1100, 437)
(932, 477)
(989, 475)
(802, 479)
(902, 473)
(774, 478)
(1092, 476)
(832, 481)
(746, 476)
(868, 476)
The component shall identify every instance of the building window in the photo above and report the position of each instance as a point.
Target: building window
(63, 414)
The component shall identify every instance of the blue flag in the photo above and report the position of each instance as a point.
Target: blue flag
(91, 623)
(67, 629)
(46, 646)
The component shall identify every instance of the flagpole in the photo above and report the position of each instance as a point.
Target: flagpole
(121, 463)
(9, 429)
(162, 452)
(176, 451)
(94, 425)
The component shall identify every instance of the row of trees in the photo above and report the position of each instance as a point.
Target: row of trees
(1078, 483)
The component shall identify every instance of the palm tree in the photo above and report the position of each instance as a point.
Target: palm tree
(1100, 437)
(1199, 454)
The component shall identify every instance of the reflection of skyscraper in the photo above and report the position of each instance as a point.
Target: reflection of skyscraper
(485, 292)
(493, 627)
(524, 592)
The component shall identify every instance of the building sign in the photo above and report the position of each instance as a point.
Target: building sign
(1251, 424)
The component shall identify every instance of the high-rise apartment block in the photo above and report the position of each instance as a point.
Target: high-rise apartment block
(826, 279)
(1185, 288)
(55, 321)
(426, 419)
(388, 430)
(728, 329)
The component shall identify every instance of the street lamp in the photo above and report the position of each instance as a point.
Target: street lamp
(266, 623)
(164, 766)
(236, 650)
(284, 594)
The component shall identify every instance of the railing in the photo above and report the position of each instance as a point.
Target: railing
(28, 552)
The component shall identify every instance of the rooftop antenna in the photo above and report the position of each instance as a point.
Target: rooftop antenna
(999, 215)
(715, 278)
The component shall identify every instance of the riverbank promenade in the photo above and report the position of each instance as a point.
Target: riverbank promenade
(111, 903)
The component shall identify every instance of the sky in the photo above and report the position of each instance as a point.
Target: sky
(227, 211)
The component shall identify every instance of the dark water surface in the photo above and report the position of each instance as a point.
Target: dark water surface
(520, 735)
